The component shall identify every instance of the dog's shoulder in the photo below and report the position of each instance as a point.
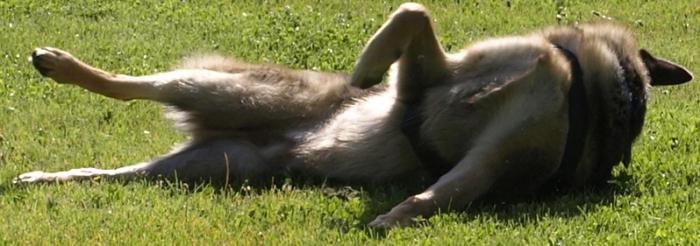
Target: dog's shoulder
(503, 65)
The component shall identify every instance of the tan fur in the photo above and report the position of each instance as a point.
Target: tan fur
(497, 112)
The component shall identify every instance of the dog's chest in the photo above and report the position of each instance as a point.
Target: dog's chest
(450, 121)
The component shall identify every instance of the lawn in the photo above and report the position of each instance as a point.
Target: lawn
(48, 126)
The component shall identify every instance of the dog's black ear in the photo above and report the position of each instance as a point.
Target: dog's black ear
(664, 72)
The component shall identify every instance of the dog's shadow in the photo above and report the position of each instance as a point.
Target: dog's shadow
(521, 211)
(379, 199)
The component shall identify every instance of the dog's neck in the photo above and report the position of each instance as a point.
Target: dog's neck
(578, 119)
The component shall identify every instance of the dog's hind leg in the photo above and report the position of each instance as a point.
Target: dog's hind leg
(79, 174)
(407, 36)
(247, 97)
(63, 68)
(206, 161)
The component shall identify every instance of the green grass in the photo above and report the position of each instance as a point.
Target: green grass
(52, 127)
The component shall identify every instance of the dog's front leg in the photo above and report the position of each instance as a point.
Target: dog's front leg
(407, 35)
(469, 179)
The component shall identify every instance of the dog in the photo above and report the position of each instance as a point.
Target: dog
(513, 115)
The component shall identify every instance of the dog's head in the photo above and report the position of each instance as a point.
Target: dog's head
(658, 72)
(654, 72)
(617, 76)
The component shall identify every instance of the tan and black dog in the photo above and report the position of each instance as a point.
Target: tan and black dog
(511, 115)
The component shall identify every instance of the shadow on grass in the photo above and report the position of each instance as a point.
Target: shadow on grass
(379, 199)
(519, 211)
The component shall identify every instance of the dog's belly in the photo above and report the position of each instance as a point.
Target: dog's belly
(363, 142)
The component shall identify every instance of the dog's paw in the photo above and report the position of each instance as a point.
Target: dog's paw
(388, 221)
(370, 69)
(54, 63)
(30, 177)
(364, 80)
(406, 213)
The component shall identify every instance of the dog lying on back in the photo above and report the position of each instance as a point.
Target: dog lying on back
(559, 107)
